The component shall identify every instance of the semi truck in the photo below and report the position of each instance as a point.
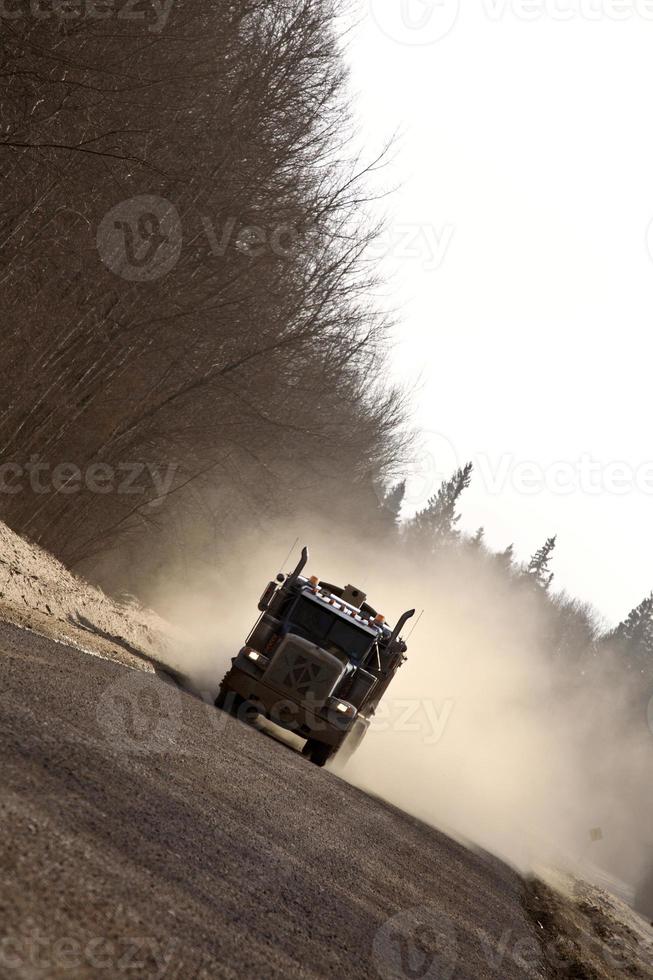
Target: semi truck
(317, 662)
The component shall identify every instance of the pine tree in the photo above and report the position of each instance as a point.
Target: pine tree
(538, 567)
(392, 502)
(438, 521)
(505, 559)
(635, 634)
(478, 540)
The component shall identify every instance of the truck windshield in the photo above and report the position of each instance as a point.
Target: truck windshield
(329, 631)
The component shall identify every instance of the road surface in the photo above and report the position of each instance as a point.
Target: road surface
(147, 834)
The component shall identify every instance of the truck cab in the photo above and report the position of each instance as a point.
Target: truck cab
(317, 662)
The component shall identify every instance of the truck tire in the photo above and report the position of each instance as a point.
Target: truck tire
(237, 706)
(318, 752)
(228, 701)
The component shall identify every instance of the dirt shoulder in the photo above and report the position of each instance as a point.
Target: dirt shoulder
(587, 933)
(38, 593)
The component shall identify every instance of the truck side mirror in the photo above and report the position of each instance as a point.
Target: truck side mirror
(266, 598)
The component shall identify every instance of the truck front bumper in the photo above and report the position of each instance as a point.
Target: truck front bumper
(305, 720)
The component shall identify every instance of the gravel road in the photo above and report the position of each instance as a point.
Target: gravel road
(148, 835)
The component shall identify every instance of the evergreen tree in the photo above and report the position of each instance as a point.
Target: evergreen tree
(438, 521)
(392, 502)
(538, 567)
(506, 558)
(635, 634)
(478, 540)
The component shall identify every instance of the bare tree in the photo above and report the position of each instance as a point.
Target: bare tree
(223, 145)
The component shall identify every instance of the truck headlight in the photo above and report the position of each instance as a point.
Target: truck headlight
(258, 658)
(342, 707)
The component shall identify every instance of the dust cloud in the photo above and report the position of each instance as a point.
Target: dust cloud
(483, 733)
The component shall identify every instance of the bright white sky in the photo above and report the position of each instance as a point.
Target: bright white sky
(522, 277)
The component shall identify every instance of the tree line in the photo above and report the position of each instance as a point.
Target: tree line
(250, 363)
(571, 629)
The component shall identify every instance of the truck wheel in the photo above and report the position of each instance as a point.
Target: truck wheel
(247, 712)
(317, 752)
(237, 706)
(228, 701)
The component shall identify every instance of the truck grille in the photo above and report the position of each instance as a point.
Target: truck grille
(304, 670)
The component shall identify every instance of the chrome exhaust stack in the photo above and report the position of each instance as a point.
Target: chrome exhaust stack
(398, 628)
(299, 568)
